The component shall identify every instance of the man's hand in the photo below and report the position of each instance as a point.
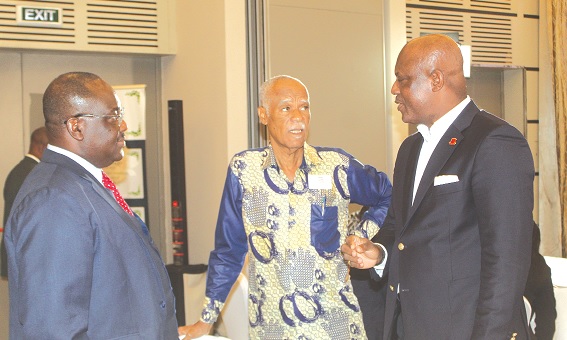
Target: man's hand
(195, 330)
(361, 252)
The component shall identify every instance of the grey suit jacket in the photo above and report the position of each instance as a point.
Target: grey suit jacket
(79, 266)
(460, 254)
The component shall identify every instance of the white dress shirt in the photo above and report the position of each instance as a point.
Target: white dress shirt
(431, 137)
(96, 172)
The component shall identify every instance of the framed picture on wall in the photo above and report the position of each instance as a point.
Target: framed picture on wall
(133, 100)
(128, 173)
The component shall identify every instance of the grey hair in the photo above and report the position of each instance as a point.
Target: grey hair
(267, 85)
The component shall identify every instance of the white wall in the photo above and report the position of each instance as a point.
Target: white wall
(342, 66)
(208, 74)
(346, 67)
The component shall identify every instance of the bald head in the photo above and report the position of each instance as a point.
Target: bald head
(83, 115)
(65, 95)
(439, 52)
(429, 79)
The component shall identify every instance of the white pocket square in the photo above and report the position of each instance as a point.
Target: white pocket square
(445, 179)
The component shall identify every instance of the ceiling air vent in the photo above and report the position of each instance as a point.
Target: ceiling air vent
(441, 2)
(492, 5)
(486, 25)
(108, 26)
(122, 23)
(441, 22)
(491, 38)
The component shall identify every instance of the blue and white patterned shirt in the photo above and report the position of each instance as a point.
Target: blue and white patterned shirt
(298, 287)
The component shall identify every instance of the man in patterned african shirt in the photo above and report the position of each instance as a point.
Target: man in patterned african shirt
(286, 206)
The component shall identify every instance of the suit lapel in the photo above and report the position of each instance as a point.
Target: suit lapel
(56, 158)
(440, 155)
(409, 175)
(107, 196)
(443, 151)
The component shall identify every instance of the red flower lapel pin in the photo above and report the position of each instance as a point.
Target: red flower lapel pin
(453, 141)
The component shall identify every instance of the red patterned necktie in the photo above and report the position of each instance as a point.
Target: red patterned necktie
(107, 182)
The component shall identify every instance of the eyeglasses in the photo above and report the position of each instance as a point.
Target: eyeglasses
(116, 114)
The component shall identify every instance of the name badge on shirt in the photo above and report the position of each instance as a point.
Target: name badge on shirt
(320, 182)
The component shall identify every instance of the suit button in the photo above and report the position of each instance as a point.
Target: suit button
(401, 246)
(391, 288)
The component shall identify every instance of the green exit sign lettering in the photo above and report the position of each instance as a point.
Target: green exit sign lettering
(39, 16)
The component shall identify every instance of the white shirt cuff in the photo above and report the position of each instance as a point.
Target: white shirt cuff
(379, 268)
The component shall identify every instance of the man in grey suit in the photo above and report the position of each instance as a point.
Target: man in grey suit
(81, 266)
(456, 243)
(38, 143)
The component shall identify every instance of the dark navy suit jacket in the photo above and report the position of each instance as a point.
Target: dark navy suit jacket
(79, 266)
(459, 256)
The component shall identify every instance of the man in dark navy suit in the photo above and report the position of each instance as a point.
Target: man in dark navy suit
(456, 243)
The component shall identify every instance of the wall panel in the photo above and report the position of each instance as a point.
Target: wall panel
(337, 50)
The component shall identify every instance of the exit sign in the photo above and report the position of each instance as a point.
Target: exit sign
(39, 16)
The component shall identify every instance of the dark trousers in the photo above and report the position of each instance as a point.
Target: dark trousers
(371, 297)
(397, 327)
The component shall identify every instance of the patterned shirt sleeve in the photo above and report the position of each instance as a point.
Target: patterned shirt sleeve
(372, 188)
(227, 259)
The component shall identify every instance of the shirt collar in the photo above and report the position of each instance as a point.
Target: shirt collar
(96, 172)
(32, 157)
(439, 128)
(310, 157)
